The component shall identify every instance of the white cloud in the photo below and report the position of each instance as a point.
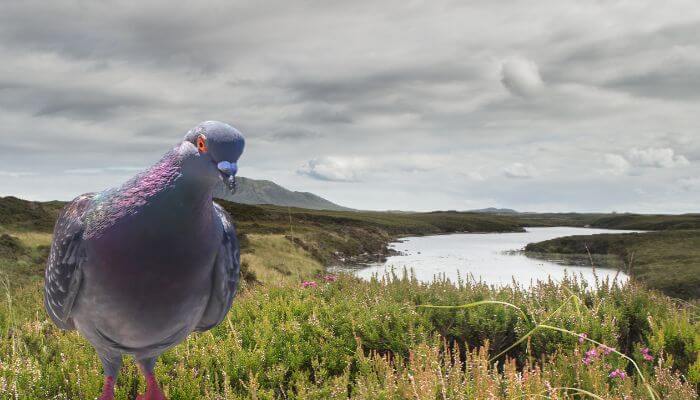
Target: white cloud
(617, 164)
(354, 169)
(656, 158)
(339, 169)
(15, 174)
(521, 77)
(519, 171)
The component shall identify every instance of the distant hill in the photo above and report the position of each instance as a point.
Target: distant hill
(30, 215)
(493, 210)
(253, 191)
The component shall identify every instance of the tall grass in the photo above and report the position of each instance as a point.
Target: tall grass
(369, 340)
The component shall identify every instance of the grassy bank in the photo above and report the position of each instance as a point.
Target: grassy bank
(666, 260)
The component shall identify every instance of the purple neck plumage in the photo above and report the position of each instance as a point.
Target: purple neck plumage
(163, 191)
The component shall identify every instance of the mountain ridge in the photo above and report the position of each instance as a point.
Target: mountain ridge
(260, 191)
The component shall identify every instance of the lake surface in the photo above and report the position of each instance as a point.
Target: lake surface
(488, 257)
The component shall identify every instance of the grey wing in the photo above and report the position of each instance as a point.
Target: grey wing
(63, 275)
(227, 268)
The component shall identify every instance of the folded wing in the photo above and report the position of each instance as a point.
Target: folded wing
(63, 275)
(226, 274)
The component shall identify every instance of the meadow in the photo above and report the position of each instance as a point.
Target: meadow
(296, 333)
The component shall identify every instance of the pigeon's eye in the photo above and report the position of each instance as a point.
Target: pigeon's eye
(202, 144)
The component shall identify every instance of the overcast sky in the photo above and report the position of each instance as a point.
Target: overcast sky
(538, 106)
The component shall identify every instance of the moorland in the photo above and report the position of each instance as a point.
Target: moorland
(296, 332)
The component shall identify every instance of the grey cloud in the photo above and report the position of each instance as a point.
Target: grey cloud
(80, 103)
(295, 135)
(385, 81)
(387, 97)
(672, 83)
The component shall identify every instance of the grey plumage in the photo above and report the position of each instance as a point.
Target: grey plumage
(138, 268)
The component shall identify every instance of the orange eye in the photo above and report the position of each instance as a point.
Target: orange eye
(202, 144)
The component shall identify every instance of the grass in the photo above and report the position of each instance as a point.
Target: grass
(373, 340)
(275, 259)
(368, 340)
(649, 222)
(665, 260)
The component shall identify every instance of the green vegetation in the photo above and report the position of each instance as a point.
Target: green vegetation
(648, 222)
(666, 260)
(346, 338)
(369, 340)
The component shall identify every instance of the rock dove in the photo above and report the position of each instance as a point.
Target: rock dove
(136, 269)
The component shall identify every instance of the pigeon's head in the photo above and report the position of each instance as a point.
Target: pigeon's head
(219, 146)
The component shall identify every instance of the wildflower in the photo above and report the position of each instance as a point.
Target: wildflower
(606, 350)
(618, 373)
(646, 354)
(590, 356)
(307, 284)
(330, 278)
(582, 337)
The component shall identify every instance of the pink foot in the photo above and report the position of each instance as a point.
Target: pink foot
(107, 389)
(153, 391)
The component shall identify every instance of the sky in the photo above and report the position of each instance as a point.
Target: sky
(415, 105)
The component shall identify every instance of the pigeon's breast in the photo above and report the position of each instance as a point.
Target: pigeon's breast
(146, 281)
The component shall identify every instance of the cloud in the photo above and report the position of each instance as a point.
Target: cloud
(656, 158)
(399, 102)
(337, 169)
(359, 168)
(105, 170)
(521, 77)
(295, 135)
(689, 184)
(17, 174)
(519, 171)
(617, 164)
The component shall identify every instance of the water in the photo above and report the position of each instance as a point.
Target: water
(489, 257)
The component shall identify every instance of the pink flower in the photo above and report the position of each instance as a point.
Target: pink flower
(646, 354)
(330, 278)
(606, 350)
(618, 374)
(582, 337)
(307, 284)
(590, 356)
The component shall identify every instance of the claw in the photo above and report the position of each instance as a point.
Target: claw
(107, 389)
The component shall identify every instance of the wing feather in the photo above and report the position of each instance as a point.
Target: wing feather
(227, 268)
(63, 275)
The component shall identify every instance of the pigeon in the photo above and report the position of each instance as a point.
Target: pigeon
(137, 268)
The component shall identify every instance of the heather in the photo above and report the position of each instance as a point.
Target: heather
(345, 338)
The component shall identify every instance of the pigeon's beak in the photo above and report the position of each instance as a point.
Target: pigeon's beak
(228, 174)
(228, 168)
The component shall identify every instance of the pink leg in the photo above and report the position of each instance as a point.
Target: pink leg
(107, 389)
(153, 391)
